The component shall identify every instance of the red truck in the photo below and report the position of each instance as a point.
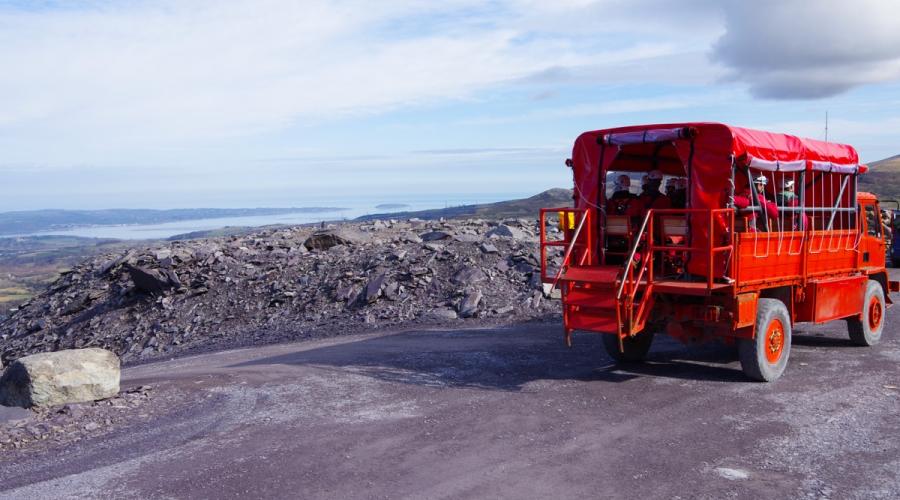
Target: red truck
(769, 231)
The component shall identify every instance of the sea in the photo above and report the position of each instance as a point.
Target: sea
(344, 210)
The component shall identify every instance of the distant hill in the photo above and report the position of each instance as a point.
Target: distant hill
(525, 207)
(54, 220)
(883, 178)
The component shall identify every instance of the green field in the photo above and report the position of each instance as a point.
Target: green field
(14, 294)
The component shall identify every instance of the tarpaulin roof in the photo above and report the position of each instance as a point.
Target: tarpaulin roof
(702, 151)
(714, 145)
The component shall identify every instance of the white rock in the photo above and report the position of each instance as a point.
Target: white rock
(732, 474)
(57, 378)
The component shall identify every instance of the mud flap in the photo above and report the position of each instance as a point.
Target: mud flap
(893, 287)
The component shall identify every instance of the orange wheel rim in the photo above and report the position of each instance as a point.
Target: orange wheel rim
(875, 313)
(774, 344)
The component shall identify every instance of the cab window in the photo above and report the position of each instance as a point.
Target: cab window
(873, 221)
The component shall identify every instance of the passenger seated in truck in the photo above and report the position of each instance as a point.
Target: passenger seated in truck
(650, 197)
(622, 196)
(678, 196)
(671, 185)
(743, 199)
(787, 198)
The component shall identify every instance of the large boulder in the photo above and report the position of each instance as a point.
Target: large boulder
(150, 280)
(323, 240)
(504, 231)
(57, 378)
(469, 305)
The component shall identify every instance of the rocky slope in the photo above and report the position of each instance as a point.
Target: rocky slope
(285, 284)
(524, 207)
(883, 179)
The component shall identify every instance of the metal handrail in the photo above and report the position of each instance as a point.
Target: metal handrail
(568, 253)
(630, 260)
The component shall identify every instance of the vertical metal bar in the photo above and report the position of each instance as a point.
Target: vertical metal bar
(543, 246)
(601, 202)
(779, 213)
(734, 259)
(731, 183)
(650, 245)
(709, 273)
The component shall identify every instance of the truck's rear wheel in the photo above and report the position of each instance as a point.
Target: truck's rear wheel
(634, 348)
(765, 357)
(867, 330)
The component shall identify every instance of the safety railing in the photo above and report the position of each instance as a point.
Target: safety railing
(638, 273)
(577, 239)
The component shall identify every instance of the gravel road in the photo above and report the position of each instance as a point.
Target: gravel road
(489, 413)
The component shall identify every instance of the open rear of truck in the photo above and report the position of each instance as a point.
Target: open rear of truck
(711, 269)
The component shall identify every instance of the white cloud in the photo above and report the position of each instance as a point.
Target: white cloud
(148, 74)
(799, 49)
(113, 79)
(186, 88)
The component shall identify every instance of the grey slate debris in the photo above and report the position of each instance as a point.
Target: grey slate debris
(148, 280)
(469, 306)
(434, 236)
(284, 284)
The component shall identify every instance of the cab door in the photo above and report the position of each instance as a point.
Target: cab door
(872, 245)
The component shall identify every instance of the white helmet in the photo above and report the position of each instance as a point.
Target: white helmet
(761, 180)
(788, 185)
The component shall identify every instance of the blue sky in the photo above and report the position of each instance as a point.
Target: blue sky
(141, 103)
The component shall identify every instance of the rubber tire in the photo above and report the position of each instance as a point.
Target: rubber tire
(752, 351)
(636, 348)
(860, 331)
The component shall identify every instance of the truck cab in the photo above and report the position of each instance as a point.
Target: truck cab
(873, 246)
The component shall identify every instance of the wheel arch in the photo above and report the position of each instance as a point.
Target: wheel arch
(783, 293)
(882, 279)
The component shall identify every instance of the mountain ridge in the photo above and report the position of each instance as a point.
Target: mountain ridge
(883, 178)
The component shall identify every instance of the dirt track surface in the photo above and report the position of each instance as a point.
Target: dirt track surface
(494, 413)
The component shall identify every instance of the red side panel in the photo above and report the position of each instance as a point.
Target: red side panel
(832, 299)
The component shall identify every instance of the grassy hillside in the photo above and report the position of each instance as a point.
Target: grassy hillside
(29, 264)
(525, 207)
(883, 178)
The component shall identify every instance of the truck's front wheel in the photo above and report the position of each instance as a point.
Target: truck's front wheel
(634, 349)
(867, 330)
(765, 357)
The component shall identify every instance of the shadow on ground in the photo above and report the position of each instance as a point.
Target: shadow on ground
(507, 359)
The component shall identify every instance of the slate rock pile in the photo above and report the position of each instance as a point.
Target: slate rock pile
(66, 424)
(284, 284)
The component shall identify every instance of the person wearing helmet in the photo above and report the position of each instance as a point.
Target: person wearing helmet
(671, 186)
(788, 198)
(744, 201)
(622, 195)
(650, 196)
(679, 193)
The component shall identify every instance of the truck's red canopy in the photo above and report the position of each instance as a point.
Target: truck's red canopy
(714, 145)
(706, 150)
